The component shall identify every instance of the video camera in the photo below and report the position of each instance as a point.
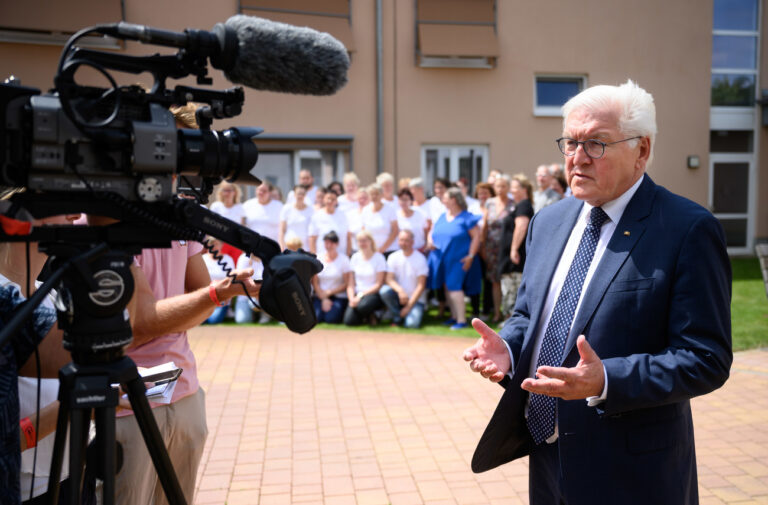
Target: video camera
(117, 152)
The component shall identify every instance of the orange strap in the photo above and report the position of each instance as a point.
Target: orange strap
(214, 297)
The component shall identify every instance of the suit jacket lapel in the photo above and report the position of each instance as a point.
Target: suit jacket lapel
(616, 253)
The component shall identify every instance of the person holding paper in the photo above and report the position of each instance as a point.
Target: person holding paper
(173, 293)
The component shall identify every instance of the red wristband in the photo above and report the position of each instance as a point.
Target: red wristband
(29, 432)
(214, 297)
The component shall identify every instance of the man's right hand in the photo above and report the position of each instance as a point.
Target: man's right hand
(226, 289)
(489, 356)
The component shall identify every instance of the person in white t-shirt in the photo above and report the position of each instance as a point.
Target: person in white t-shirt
(387, 183)
(336, 187)
(355, 217)
(420, 201)
(319, 201)
(294, 218)
(381, 221)
(368, 270)
(404, 293)
(348, 200)
(227, 204)
(411, 218)
(330, 284)
(326, 219)
(262, 214)
(308, 182)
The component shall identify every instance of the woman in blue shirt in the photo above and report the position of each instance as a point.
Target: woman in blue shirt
(454, 241)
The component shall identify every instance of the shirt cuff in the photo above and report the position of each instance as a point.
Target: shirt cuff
(511, 359)
(594, 401)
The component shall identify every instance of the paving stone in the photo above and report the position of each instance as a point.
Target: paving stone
(360, 418)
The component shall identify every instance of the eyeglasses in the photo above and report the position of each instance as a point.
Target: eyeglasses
(595, 149)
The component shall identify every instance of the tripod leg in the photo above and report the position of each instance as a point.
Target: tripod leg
(154, 442)
(78, 438)
(105, 445)
(59, 442)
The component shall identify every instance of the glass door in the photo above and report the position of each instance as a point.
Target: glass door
(454, 162)
(730, 198)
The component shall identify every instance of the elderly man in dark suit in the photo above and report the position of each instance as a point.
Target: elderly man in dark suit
(623, 316)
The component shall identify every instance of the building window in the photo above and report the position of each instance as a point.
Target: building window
(454, 162)
(551, 93)
(734, 53)
(281, 160)
(456, 33)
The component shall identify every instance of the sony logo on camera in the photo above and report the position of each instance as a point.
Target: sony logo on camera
(297, 302)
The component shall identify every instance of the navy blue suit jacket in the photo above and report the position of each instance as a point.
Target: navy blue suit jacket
(657, 312)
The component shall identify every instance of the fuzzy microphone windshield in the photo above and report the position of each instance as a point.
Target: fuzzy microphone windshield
(275, 56)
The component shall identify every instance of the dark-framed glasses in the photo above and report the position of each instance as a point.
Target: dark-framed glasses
(595, 149)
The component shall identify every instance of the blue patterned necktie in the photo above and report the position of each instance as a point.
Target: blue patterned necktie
(541, 410)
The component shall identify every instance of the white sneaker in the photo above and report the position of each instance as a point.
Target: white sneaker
(264, 318)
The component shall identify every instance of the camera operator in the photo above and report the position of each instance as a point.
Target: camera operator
(173, 293)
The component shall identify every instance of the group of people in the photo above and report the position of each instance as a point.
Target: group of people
(387, 248)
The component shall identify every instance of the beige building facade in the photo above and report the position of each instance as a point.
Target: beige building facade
(456, 88)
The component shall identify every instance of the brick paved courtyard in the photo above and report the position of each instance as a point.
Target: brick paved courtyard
(364, 418)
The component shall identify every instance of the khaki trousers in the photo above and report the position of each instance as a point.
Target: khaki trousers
(183, 428)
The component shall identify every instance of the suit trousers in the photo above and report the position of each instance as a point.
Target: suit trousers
(183, 428)
(545, 475)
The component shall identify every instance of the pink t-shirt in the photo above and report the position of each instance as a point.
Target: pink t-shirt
(165, 270)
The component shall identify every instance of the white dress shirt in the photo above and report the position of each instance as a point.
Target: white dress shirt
(614, 209)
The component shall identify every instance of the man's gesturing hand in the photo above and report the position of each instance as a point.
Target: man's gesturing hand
(489, 356)
(582, 381)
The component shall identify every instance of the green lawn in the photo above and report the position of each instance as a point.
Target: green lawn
(749, 307)
(749, 312)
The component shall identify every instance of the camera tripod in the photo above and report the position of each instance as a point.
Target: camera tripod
(96, 286)
(92, 302)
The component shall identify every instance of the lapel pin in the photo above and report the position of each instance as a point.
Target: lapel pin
(626, 233)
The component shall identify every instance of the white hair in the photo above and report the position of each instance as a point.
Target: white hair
(351, 176)
(385, 177)
(416, 182)
(635, 108)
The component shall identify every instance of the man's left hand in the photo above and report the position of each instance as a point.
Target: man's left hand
(582, 381)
